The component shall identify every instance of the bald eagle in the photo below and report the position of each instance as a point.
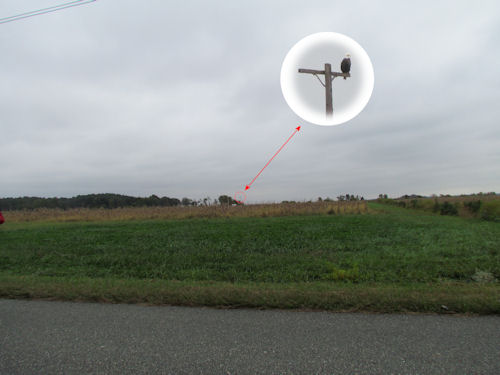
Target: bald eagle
(345, 65)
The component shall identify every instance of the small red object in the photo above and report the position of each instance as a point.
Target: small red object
(2, 220)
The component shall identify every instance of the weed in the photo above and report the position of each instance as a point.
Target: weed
(338, 274)
(484, 277)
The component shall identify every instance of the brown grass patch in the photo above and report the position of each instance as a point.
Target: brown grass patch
(181, 212)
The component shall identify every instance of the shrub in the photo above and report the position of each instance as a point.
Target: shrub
(473, 206)
(426, 204)
(490, 211)
(448, 209)
(436, 207)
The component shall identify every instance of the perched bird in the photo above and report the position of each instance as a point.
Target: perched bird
(345, 65)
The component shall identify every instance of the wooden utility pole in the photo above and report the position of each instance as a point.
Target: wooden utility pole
(329, 77)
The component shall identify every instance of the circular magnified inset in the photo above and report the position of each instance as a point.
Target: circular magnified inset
(324, 57)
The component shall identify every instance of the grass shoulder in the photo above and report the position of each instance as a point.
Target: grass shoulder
(451, 297)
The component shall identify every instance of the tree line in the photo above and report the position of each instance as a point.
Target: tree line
(109, 200)
(106, 201)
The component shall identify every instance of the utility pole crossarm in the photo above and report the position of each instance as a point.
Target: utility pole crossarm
(335, 74)
(311, 71)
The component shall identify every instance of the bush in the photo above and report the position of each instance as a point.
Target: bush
(448, 209)
(473, 206)
(436, 207)
(426, 204)
(490, 211)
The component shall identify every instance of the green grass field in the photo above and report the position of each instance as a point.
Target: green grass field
(390, 260)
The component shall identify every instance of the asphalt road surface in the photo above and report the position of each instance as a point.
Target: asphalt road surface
(42, 337)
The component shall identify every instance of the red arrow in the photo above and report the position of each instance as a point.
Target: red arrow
(270, 160)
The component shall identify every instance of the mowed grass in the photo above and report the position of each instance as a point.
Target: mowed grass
(390, 260)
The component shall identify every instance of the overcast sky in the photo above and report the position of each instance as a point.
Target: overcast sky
(183, 99)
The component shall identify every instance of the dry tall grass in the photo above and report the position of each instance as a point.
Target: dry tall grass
(180, 212)
(485, 206)
(455, 198)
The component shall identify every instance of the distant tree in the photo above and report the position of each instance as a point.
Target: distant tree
(166, 201)
(87, 201)
(153, 200)
(226, 199)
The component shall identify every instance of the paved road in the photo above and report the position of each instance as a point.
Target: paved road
(41, 337)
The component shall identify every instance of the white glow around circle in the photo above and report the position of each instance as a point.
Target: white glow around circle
(350, 96)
